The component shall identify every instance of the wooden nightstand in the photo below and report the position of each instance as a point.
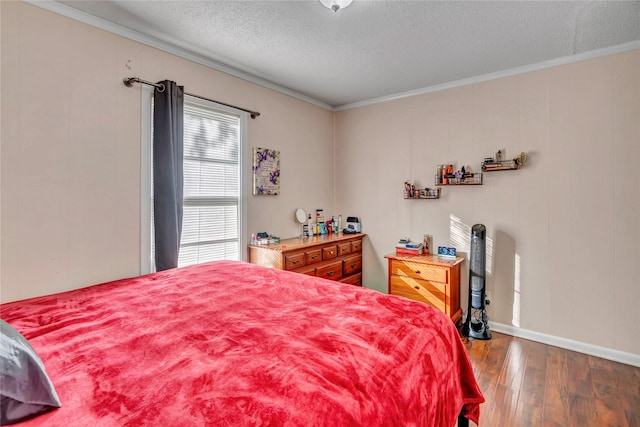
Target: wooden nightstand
(427, 278)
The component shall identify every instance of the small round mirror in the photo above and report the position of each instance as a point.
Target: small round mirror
(301, 215)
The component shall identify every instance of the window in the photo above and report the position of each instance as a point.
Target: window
(210, 225)
(213, 215)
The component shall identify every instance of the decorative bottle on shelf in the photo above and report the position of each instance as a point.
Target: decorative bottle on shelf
(339, 223)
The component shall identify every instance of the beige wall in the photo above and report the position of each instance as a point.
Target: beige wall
(71, 150)
(564, 231)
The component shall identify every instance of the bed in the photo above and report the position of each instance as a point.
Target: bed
(234, 344)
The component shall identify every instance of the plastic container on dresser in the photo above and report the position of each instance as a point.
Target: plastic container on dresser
(335, 256)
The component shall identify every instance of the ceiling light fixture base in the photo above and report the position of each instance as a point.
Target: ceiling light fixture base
(336, 5)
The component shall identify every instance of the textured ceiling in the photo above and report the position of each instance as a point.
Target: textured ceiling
(375, 49)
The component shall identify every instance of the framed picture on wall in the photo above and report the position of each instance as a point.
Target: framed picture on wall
(266, 171)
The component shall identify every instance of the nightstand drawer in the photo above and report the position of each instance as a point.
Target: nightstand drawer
(332, 271)
(356, 246)
(420, 271)
(293, 261)
(420, 290)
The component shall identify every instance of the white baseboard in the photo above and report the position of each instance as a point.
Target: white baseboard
(593, 350)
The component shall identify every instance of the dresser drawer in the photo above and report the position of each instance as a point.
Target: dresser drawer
(331, 271)
(329, 252)
(351, 265)
(356, 279)
(344, 249)
(314, 256)
(419, 271)
(309, 270)
(293, 261)
(420, 290)
(356, 246)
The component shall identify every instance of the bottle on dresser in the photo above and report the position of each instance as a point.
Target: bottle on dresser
(320, 224)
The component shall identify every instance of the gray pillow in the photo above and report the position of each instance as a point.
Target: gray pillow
(25, 389)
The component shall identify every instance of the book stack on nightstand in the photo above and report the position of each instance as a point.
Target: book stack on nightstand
(407, 247)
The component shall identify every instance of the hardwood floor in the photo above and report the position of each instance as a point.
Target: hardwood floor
(526, 383)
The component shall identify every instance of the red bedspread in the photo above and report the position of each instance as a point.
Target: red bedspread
(230, 343)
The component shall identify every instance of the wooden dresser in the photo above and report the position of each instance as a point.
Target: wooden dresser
(331, 256)
(427, 278)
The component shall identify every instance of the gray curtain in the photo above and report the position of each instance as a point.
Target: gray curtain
(168, 128)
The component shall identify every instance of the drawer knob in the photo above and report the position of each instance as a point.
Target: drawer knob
(417, 271)
(296, 261)
(417, 288)
(330, 273)
(353, 265)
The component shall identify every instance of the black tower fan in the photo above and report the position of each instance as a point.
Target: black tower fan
(475, 326)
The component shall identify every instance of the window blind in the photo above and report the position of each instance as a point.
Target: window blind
(211, 223)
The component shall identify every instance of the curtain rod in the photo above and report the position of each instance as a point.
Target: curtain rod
(129, 81)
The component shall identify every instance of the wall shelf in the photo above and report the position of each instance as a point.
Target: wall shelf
(424, 193)
(491, 164)
(466, 179)
(447, 176)
(411, 192)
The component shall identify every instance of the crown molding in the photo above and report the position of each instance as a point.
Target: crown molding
(580, 347)
(103, 24)
(499, 74)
